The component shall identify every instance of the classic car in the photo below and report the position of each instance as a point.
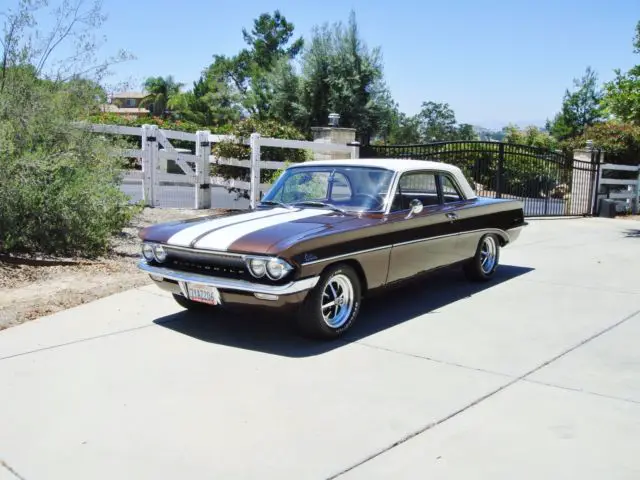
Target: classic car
(326, 234)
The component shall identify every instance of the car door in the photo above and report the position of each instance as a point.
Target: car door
(464, 224)
(425, 240)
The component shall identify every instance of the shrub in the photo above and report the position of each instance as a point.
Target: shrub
(59, 188)
(620, 141)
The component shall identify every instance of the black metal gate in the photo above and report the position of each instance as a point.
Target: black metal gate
(549, 183)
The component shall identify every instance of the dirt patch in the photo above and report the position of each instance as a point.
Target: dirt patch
(32, 287)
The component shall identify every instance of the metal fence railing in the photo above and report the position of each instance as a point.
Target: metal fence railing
(549, 183)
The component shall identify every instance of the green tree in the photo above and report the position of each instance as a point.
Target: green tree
(622, 94)
(531, 136)
(269, 40)
(466, 132)
(252, 71)
(160, 92)
(437, 122)
(405, 130)
(580, 108)
(341, 74)
(213, 101)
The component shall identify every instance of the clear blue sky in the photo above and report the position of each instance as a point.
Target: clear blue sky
(492, 61)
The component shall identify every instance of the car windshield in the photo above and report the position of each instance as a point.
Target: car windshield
(348, 188)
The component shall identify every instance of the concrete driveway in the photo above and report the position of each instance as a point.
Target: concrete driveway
(536, 375)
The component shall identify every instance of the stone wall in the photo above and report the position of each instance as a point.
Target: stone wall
(342, 136)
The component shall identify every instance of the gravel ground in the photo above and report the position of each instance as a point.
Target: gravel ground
(33, 287)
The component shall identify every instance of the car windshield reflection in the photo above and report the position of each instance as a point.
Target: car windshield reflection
(347, 188)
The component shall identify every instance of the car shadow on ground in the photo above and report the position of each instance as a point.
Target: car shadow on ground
(388, 308)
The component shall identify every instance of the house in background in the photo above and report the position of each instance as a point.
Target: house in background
(126, 104)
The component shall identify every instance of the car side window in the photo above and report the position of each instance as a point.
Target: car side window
(418, 185)
(449, 191)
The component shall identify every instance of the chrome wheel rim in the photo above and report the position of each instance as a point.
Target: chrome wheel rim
(488, 254)
(337, 301)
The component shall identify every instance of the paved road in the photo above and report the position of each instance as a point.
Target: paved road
(536, 375)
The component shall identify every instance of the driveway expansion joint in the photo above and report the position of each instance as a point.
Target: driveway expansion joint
(6, 466)
(86, 339)
(435, 360)
(479, 400)
(579, 390)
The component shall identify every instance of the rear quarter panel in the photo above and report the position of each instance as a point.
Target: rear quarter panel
(477, 218)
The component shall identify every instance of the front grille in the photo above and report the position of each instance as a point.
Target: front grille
(207, 268)
(218, 265)
(214, 264)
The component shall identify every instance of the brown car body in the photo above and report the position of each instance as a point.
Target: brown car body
(384, 247)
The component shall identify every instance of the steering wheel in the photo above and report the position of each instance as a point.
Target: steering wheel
(376, 201)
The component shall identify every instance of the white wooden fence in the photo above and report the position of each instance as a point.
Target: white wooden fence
(156, 151)
(626, 192)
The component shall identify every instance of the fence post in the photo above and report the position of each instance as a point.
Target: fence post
(595, 162)
(499, 170)
(635, 208)
(254, 191)
(149, 165)
(203, 183)
(355, 149)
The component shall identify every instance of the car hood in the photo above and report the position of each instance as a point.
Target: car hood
(259, 231)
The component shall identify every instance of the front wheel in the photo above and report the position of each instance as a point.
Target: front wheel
(485, 262)
(332, 306)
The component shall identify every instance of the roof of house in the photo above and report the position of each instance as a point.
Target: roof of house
(129, 94)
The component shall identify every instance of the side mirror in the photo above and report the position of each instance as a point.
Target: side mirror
(415, 206)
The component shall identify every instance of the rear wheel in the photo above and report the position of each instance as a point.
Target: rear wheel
(485, 262)
(332, 306)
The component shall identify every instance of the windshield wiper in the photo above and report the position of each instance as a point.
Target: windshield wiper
(322, 204)
(273, 202)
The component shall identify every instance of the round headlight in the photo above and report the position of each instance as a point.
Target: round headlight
(160, 253)
(258, 267)
(276, 269)
(147, 252)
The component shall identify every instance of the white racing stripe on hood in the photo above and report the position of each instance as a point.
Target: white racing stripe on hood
(183, 238)
(222, 239)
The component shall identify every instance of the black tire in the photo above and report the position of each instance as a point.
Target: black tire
(310, 321)
(184, 302)
(474, 268)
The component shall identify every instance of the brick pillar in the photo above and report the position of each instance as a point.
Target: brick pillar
(341, 136)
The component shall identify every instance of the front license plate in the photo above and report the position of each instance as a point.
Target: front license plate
(203, 293)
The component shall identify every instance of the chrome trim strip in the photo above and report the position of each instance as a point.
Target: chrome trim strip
(227, 283)
(360, 252)
(337, 257)
(457, 234)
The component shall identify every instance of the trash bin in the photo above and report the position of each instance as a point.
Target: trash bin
(607, 208)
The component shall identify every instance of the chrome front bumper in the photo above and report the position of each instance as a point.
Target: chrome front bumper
(229, 283)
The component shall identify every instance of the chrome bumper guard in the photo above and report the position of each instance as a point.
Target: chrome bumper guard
(229, 283)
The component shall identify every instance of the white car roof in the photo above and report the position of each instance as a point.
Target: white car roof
(400, 165)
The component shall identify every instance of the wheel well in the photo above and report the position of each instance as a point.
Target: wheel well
(358, 269)
(503, 237)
